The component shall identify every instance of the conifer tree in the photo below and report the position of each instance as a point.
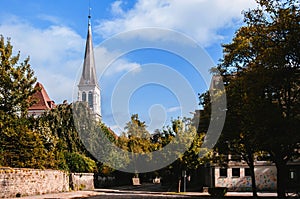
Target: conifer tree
(16, 81)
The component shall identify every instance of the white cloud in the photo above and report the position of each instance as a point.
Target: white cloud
(55, 52)
(116, 8)
(173, 109)
(108, 63)
(51, 44)
(116, 129)
(56, 55)
(200, 19)
(49, 18)
(58, 86)
(122, 65)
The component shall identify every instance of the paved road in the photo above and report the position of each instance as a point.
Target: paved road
(154, 191)
(166, 195)
(144, 191)
(135, 194)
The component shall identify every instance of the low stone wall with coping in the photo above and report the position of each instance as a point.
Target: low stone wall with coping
(18, 182)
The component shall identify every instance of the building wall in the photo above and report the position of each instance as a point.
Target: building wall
(265, 175)
(35, 113)
(96, 97)
(23, 182)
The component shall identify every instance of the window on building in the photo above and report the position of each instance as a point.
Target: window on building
(90, 100)
(235, 172)
(223, 172)
(247, 172)
(83, 96)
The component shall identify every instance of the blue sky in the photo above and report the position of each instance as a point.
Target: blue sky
(53, 34)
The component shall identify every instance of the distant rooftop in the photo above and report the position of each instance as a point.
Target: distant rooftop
(41, 99)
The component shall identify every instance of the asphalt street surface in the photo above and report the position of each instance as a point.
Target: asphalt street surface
(156, 191)
(144, 191)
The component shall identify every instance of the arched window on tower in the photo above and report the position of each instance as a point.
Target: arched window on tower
(90, 99)
(83, 96)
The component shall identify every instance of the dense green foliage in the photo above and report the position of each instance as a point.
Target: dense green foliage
(59, 133)
(19, 145)
(80, 163)
(16, 83)
(138, 140)
(22, 147)
(49, 141)
(261, 72)
(217, 192)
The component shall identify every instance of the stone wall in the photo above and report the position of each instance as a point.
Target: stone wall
(82, 181)
(16, 182)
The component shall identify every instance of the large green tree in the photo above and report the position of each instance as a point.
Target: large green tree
(16, 81)
(240, 136)
(49, 141)
(262, 63)
(60, 123)
(20, 146)
(183, 135)
(60, 134)
(139, 142)
(95, 139)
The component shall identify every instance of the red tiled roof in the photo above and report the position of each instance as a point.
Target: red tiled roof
(41, 99)
(113, 133)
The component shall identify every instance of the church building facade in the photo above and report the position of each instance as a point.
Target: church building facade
(88, 87)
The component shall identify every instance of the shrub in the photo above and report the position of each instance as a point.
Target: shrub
(80, 163)
(217, 191)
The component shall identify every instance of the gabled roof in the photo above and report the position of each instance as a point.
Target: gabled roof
(113, 133)
(41, 99)
(88, 76)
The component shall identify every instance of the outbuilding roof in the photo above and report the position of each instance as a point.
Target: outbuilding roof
(41, 99)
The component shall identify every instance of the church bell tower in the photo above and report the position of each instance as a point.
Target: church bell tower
(88, 88)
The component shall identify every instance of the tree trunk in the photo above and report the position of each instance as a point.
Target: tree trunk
(250, 161)
(179, 185)
(253, 181)
(281, 178)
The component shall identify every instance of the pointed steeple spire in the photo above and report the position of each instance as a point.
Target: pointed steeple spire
(88, 88)
(89, 70)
